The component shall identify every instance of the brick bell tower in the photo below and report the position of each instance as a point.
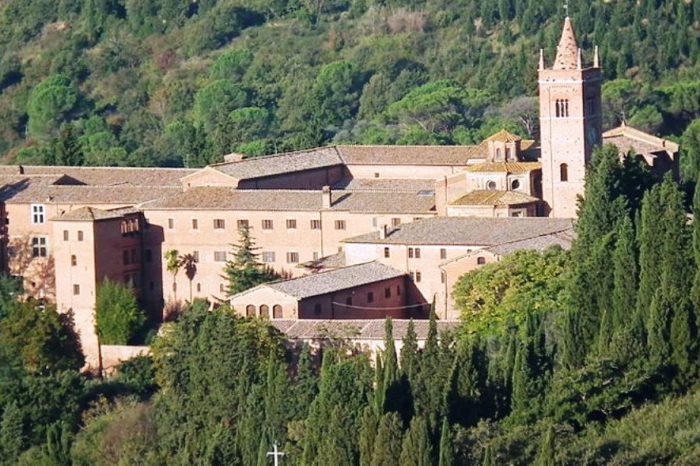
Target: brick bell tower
(570, 123)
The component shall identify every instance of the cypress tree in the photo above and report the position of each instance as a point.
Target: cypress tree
(649, 232)
(368, 434)
(305, 387)
(12, 438)
(547, 451)
(446, 457)
(387, 445)
(624, 276)
(379, 388)
(409, 352)
(695, 292)
(390, 363)
(415, 450)
(520, 381)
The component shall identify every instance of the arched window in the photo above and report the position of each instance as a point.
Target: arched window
(557, 108)
(498, 154)
(481, 260)
(277, 311)
(491, 185)
(264, 311)
(515, 184)
(563, 172)
(250, 310)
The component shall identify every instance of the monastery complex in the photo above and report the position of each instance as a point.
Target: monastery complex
(365, 232)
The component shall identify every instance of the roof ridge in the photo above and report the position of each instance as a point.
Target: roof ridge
(268, 156)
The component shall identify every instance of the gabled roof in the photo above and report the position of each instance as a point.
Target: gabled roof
(467, 231)
(505, 167)
(411, 155)
(493, 198)
(371, 329)
(628, 139)
(105, 176)
(260, 167)
(567, 50)
(90, 214)
(332, 281)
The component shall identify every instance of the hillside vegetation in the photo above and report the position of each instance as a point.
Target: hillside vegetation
(181, 82)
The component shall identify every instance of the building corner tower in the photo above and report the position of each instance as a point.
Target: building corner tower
(570, 123)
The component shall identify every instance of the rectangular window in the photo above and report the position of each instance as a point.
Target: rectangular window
(65, 235)
(39, 246)
(387, 292)
(171, 223)
(387, 252)
(73, 260)
(219, 256)
(370, 297)
(395, 222)
(315, 224)
(38, 213)
(76, 289)
(417, 253)
(410, 253)
(267, 225)
(80, 235)
(443, 253)
(268, 256)
(195, 224)
(291, 224)
(195, 256)
(242, 224)
(340, 224)
(219, 224)
(418, 276)
(442, 276)
(292, 257)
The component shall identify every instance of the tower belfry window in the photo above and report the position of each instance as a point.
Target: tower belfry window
(563, 172)
(562, 108)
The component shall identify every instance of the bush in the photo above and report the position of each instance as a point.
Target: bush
(117, 315)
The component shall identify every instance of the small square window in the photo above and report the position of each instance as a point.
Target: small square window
(340, 224)
(195, 256)
(292, 257)
(417, 255)
(219, 224)
(76, 289)
(171, 223)
(267, 225)
(396, 221)
(195, 224)
(242, 224)
(199, 287)
(219, 256)
(370, 297)
(410, 253)
(315, 224)
(66, 235)
(291, 224)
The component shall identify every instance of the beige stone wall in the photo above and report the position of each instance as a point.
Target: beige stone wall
(526, 210)
(455, 269)
(208, 177)
(412, 172)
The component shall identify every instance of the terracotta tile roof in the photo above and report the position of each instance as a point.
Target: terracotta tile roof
(505, 167)
(503, 136)
(106, 176)
(411, 155)
(333, 261)
(567, 50)
(35, 190)
(334, 280)
(259, 167)
(91, 214)
(629, 139)
(494, 198)
(386, 184)
(562, 239)
(226, 198)
(467, 231)
(307, 329)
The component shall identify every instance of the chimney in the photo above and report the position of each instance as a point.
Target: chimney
(596, 60)
(20, 169)
(326, 194)
(541, 67)
(383, 233)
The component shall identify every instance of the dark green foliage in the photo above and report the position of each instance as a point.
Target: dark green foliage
(139, 375)
(387, 444)
(416, 449)
(446, 457)
(244, 271)
(12, 441)
(118, 318)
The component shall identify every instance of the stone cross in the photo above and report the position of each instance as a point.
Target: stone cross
(276, 454)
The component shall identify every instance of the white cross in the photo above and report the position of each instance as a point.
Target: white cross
(275, 454)
(566, 7)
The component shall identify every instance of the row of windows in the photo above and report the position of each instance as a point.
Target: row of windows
(414, 253)
(269, 224)
(562, 108)
(264, 311)
(66, 235)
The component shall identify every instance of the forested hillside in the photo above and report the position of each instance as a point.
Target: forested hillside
(182, 82)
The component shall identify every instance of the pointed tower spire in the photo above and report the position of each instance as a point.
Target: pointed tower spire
(566, 50)
(596, 60)
(541, 67)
